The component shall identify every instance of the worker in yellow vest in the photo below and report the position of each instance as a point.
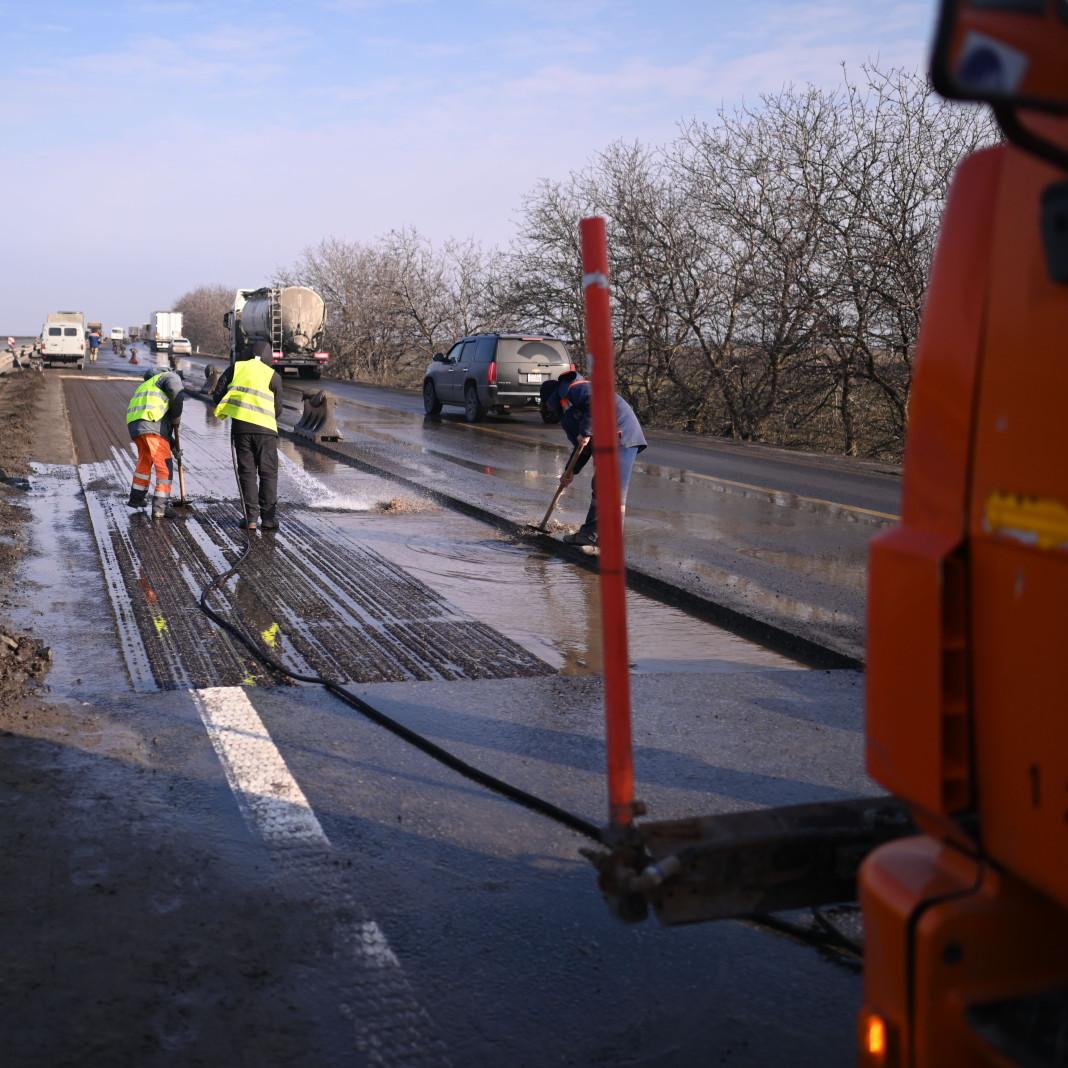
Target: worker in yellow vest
(249, 392)
(152, 417)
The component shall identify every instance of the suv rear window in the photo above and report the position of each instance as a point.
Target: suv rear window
(552, 352)
(487, 346)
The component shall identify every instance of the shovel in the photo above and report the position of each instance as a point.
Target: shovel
(182, 502)
(542, 526)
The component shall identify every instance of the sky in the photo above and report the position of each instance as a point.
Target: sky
(150, 146)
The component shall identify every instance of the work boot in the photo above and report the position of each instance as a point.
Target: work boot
(138, 498)
(580, 538)
(269, 524)
(163, 510)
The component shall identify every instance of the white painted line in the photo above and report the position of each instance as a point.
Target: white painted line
(390, 1028)
(272, 803)
(130, 641)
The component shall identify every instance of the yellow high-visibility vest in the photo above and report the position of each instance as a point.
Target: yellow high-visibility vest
(149, 402)
(249, 397)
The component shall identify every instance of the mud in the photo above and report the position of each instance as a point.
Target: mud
(404, 506)
(24, 660)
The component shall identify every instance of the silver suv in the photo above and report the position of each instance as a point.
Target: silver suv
(494, 372)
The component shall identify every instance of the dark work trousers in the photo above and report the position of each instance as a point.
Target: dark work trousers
(626, 469)
(257, 471)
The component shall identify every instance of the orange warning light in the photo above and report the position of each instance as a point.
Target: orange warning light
(875, 1039)
(878, 1048)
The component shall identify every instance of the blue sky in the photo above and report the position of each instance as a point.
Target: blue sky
(188, 142)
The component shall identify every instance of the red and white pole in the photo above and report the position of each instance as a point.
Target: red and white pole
(613, 578)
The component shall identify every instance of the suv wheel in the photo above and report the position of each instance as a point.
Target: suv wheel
(473, 410)
(547, 414)
(431, 404)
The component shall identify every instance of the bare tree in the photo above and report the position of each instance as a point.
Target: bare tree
(202, 311)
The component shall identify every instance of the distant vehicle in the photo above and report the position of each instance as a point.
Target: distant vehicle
(181, 346)
(494, 372)
(163, 329)
(63, 338)
(117, 334)
(291, 319)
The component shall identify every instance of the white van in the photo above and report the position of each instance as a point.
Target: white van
(117, 334)
(63, 338)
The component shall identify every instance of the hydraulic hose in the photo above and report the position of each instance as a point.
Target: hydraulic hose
(443, 756)
(824, 935)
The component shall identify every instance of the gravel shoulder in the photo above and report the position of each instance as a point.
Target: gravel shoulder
(24, 406)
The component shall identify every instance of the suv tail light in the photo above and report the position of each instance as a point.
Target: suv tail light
(491, 374)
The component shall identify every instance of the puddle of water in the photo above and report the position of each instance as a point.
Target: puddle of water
(547, 605)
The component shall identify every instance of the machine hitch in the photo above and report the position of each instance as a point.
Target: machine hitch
(740, 864)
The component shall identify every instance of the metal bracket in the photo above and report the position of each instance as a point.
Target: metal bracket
(744, 863)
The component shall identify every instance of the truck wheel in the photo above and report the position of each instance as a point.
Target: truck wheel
(548, 416)
(431, 404)
(473, 410)
(309, 372)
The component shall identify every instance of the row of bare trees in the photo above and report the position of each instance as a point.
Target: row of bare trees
(769, 267)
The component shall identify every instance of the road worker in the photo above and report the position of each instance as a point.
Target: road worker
(152, 418)
(249, 392)
(570, 398)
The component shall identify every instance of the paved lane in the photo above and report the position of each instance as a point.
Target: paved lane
(775, 536)
(345, 900)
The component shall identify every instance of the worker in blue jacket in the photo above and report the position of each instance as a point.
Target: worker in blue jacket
(570, 398)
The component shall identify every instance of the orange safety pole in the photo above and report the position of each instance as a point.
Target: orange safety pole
(613, 578)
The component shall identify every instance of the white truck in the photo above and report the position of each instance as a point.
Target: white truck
(291, 319)
(163, 329)
(63, 338)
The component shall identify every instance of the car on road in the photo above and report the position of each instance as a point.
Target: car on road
(494, 372)
(181, 346)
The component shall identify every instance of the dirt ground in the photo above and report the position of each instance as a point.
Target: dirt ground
(24, 660)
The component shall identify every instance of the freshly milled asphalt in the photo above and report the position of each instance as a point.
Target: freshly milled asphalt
(429, 915)
(774, 537)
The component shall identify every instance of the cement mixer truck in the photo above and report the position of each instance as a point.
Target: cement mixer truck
(291, 319)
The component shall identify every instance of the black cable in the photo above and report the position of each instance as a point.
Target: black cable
(532, 802)
(443, 756)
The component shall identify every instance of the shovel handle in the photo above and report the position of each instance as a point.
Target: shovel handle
(560, 489)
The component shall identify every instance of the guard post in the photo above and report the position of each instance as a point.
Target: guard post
(613, 579)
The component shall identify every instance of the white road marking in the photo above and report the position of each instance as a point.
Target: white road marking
(391, 1028)
(272, 803)
(100, 506)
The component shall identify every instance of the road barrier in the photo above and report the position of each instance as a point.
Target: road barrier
(622, 806)
(318, 421)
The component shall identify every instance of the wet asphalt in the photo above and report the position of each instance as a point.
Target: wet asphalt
(777, 536)
(415, 917)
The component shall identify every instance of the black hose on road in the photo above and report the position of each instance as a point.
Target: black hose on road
(419, 741)
(824, 936)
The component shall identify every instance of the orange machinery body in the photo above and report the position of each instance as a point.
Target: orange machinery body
(968, 639)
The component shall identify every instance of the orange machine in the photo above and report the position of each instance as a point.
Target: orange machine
(964, 870)
(966, 959)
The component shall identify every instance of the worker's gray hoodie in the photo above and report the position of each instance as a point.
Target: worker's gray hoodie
(171, 384)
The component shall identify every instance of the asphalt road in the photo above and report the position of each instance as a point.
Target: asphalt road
(845, 481)
(245, 871)
(762, 534)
